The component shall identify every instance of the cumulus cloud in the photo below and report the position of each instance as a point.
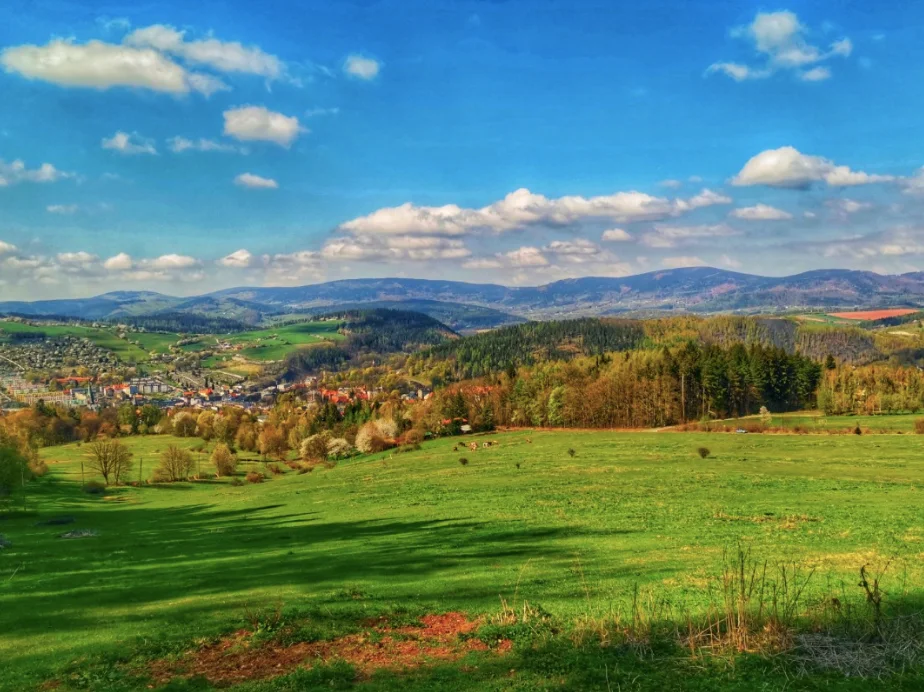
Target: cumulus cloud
(223, 56)
(522, 208)
(361, 67)
(787, 167)
(180, 144)
(17, 172)
(408, 247)
(100, 65)
(256, 123)
(577, 251)
(526, 257)
(129, 144)
(240, 259)
(913, 185)
(255, 182)
(6, 248)
(615, 235)
(760, 212)
(120, 262)
(780, 41)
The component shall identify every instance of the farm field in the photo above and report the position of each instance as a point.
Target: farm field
(864, 315)
(401, 536)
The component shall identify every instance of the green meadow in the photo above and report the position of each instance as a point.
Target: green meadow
(104, 338)
(565, 528)
(276, 343)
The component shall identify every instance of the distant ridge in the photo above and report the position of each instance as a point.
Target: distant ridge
(693, 289)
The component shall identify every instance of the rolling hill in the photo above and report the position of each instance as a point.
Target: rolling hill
(695, 289)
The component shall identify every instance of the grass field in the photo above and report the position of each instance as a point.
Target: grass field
(817, 422)
(416, 533)
(104, 338)
(277, 343)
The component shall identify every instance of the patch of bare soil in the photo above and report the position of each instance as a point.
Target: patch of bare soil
(237, 659)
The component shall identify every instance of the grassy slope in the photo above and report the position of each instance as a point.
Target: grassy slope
(104, 338)
(276, 343)
(571, 534)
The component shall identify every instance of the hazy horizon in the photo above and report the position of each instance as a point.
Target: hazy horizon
(186, 149)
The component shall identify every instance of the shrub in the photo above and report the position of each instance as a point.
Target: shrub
(339, 448)
(387, 427)
(237, 482)
(919, 426)
(765, 416)
(315, 448)
(413, 437)
(703, 452)
(369, 439)
(857, 430)
(294, 465)
(224, 461)
(94, 488)
(254, 477)
(175, 465)
(463, 461)
(275, 469)
(571, 452)
(38, 467)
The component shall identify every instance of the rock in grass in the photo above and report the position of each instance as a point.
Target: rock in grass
(80, 533)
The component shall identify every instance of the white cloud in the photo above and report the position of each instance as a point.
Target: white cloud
(816, 74)
(786, 167)
(913, 185)
(780, 40)
(523, 208)
(180, 144)
(670, 184)
(314, 112)
(120, 262)
(171, 261)
(100, 65)
(256, 123)
(680, 262)
(666, 236)
(76, 258)
(407, 247)
(129, 144)
(256, 182)
(846, 206)
(62, 209)
(228, 57)
(760, 212)
(16, 172)
(526, 257)
(361, 67)
(6, 248)
(577, 251)
(483, 263)
(615, 235)
(240, 259)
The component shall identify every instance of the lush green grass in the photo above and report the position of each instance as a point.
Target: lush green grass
(105, 338)
(276, 343)
(816, 421)
(420, 532)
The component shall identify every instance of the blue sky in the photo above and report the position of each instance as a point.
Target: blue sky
(186, 147)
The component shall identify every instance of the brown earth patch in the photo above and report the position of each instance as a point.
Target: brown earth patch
(238, 658)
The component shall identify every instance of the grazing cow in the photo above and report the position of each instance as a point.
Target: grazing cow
(485, 445)
(473, 446)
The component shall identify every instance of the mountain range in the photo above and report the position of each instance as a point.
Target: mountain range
(470, 305)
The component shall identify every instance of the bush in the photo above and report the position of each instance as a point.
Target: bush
(339, 448)
(413, 437)
(463, 461)
(184, 424)
(175, 465)
(94, 488)
(571, 452)
(225, 462)
(237, 482)
(919, 426)
(703, 452)
(275, 469)
(315, 448)
(387, 427)
(254, 477)
(38, 467)
(857, 430)
(369, 439)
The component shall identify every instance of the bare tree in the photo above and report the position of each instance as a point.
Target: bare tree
(175, 465)
(111, 459)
